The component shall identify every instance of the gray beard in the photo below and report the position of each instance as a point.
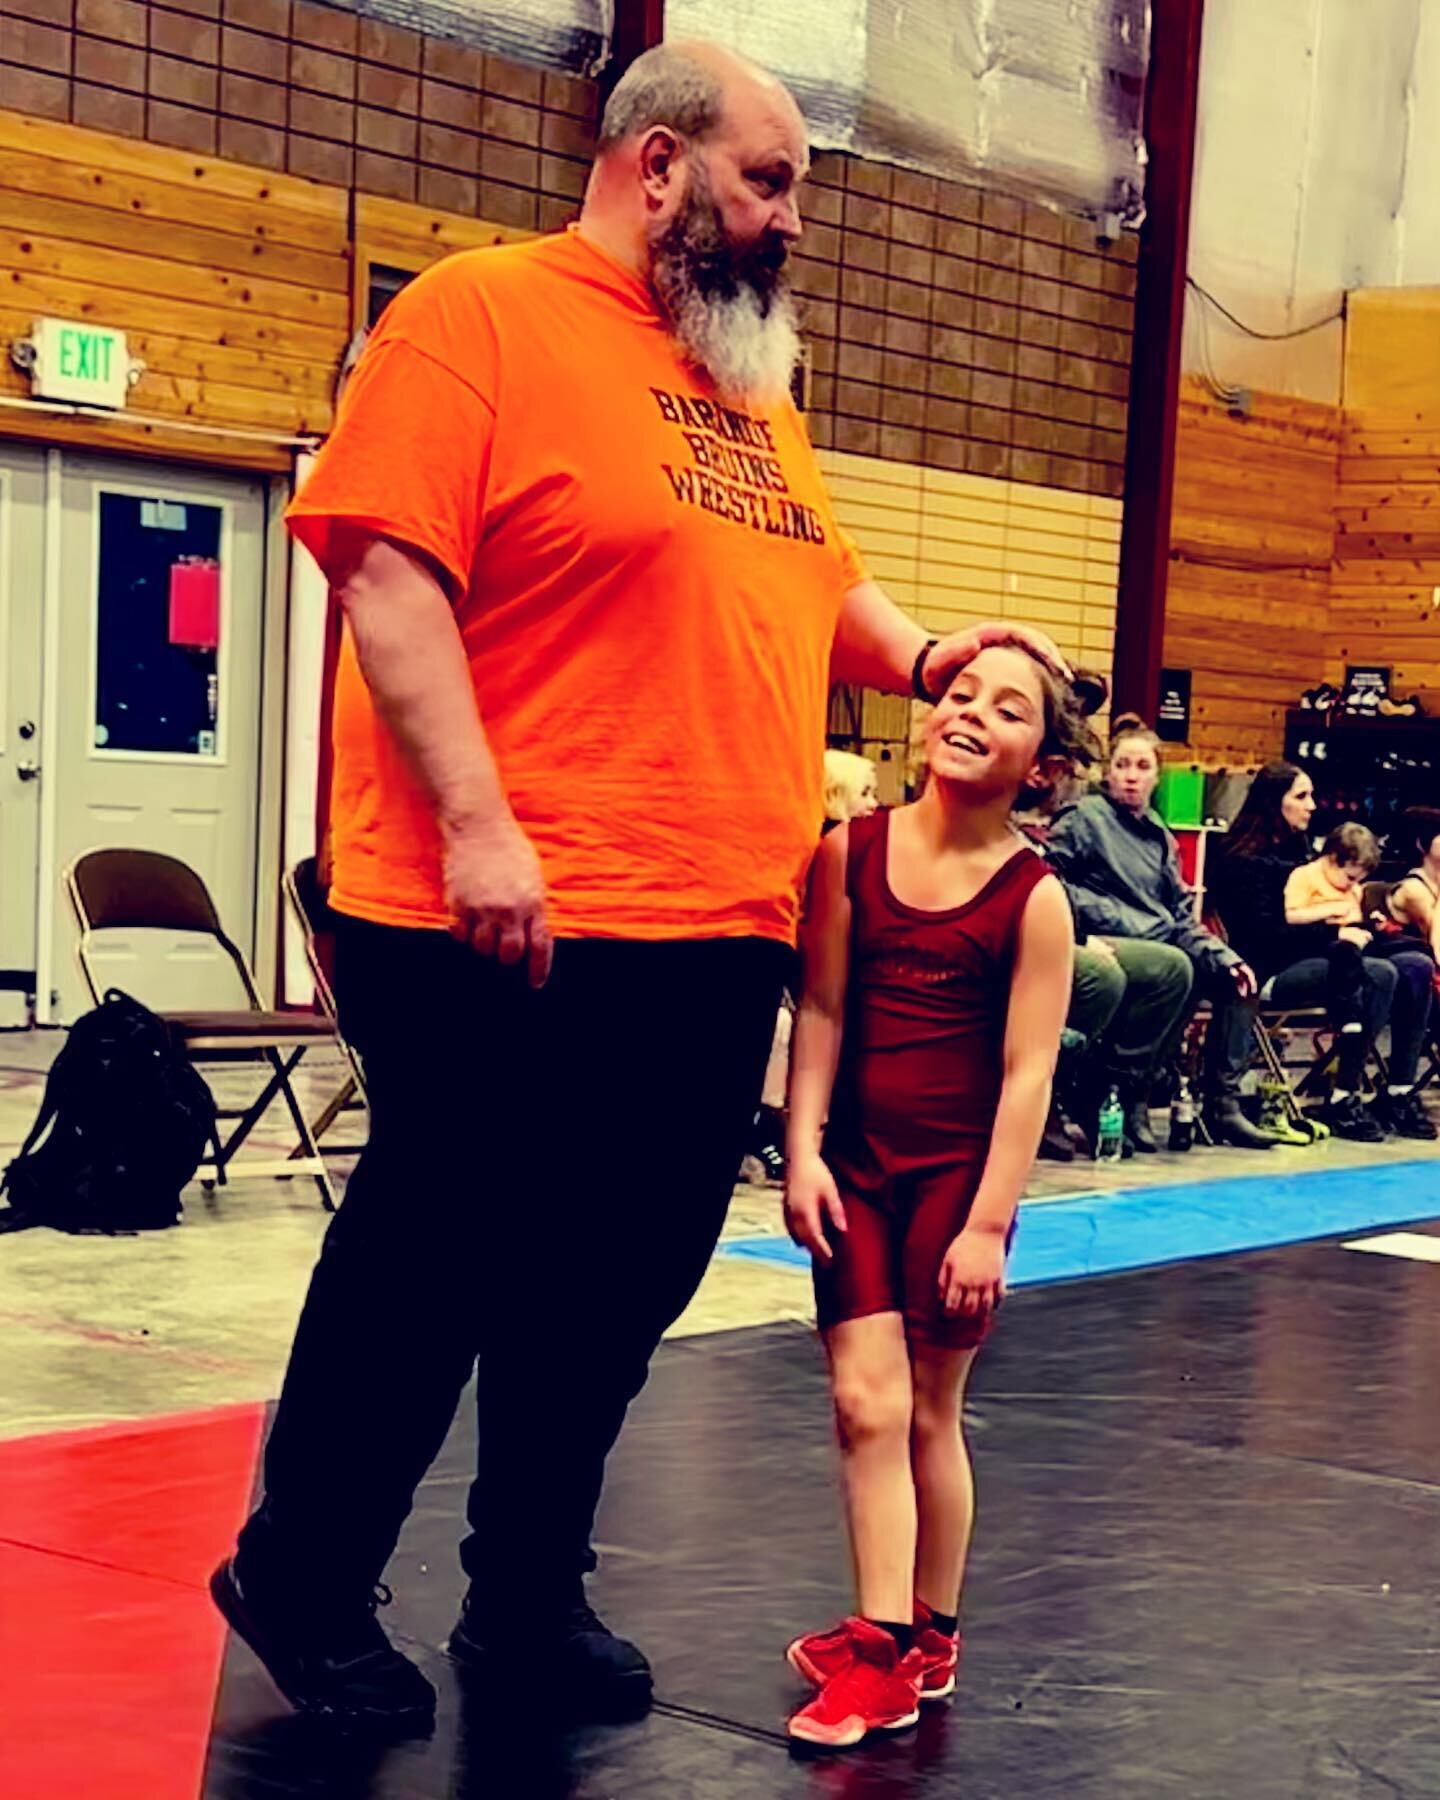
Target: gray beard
(749, 353)
(746, 341)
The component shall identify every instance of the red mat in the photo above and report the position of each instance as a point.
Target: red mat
(110, 1648)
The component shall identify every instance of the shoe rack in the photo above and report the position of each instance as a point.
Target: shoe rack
(1365, 768)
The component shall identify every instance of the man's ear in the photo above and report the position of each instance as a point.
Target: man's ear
(661, 154)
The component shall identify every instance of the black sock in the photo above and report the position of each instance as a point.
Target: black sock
(947, 1624)
(904, 1635)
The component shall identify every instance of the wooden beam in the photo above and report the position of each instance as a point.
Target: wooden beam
(639, 26)
(1170, 112)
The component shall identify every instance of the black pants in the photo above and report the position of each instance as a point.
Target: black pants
(546, 1178)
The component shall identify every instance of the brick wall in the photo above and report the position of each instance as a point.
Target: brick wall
(965, 330)
(949, 326)
(312, 90)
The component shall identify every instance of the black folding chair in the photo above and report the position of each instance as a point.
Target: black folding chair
(311, 909)
(141, 890)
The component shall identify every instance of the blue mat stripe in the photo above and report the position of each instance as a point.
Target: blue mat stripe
(1103, 1234)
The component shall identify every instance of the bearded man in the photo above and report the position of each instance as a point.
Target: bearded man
(595, 595)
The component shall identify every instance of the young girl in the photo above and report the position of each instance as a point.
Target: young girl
(1414, 903)
(937, 959)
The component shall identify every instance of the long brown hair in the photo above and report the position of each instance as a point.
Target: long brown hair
(1260, 825)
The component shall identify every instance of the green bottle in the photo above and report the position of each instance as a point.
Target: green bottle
(1110, 1140)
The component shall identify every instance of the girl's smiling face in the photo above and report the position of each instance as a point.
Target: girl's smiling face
(988, 729)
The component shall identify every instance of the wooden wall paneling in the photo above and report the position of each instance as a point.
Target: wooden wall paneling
(1252, 538)
(1385, 582)
(270, 195)
(403, 236)
(232, 286)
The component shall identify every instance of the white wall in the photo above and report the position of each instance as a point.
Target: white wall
(1316, 172)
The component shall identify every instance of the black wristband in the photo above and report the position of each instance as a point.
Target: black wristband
(917, 674)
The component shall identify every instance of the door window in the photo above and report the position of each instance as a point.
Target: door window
(159, 600)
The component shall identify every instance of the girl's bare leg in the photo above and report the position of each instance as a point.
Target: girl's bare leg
(870, 1381)
(944, 1486)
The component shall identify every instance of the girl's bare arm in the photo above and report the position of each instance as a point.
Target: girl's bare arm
(1039, 1001)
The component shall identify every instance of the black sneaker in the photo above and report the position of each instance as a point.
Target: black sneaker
(1138, 1129)
(594, 1674)
(1405, 1115)
(345, 1670)
(1056, 1144)
(1347, 1118)
(770, 1158)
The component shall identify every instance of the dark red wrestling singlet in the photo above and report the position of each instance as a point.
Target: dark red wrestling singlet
(921, 1068)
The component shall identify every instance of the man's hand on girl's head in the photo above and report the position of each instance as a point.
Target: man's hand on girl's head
(952, 653)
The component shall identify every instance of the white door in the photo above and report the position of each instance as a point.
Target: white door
(156, 738)
(22, 586)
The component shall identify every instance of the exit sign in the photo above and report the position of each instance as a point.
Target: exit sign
(88, 364)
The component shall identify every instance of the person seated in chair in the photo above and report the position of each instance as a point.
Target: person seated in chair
(1413, 903)
(1122, 869)
(1305, 961)
(1328, 891)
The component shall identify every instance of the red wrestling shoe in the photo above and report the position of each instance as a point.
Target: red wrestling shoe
(939, 1656)
(877, 1690)
(822, 1654)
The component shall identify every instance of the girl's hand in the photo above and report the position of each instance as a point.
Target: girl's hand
(972, 1276)
(812, 1199)
(1354, 934)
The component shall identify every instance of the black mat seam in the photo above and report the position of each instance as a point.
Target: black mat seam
(694, 1715)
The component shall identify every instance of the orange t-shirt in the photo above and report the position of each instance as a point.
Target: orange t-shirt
(1309, 885)
(647, 584)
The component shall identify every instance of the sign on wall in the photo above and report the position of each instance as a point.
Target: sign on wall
(1172, 715)
(88, 365)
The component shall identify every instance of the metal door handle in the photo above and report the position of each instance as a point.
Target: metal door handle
(28, 770)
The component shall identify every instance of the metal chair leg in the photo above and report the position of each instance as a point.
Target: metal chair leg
(302, 1127)
(331, 1110)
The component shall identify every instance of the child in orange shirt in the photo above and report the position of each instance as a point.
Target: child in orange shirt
(1327, 891)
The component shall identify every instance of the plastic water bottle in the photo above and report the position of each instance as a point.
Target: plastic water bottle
(1182, 1118)
(1110, 1140)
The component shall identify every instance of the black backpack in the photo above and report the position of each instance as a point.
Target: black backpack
(125, 1121)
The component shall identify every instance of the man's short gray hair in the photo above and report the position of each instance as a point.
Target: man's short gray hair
(663, 87)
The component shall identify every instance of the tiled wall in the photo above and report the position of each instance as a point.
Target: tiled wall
(965, 330)
(954, 549)
(313, 90)
(949, 327)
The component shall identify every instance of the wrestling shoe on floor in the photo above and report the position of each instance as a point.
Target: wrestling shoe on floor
(343, 1668)
(1347, 1118)
(1405, 1115)
(589, 1670)
(939, 1662)
(877, 1690)
(821, 1655)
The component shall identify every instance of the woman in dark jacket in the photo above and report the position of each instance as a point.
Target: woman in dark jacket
(1120, 865)
(1297, 963)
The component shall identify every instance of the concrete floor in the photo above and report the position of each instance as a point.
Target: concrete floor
(100, 1329)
